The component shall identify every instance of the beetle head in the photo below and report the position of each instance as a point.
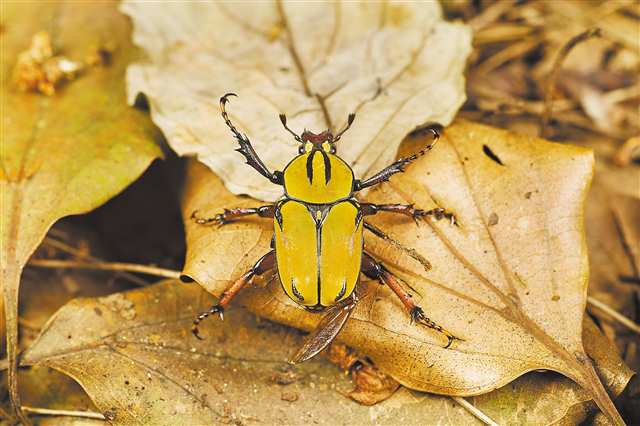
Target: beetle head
(324, 141)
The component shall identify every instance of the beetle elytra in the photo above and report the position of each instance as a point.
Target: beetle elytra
(318, 245)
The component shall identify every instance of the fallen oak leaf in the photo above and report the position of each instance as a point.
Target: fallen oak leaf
(145, 368)
(395, 65)
(512, 290)
(66, 154)
(534, 398)
(132, 354)
(371, 385)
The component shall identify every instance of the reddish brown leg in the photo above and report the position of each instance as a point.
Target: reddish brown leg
(408, 210)
(373, 269)
(230, 214)
(266, 263)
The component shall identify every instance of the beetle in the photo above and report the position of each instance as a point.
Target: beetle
(318, 244)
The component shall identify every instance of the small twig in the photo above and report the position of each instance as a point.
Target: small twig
(70, 413)
(84, 256)
(614, 314)
(105, 266)
(4, 414)
(624, 154)
(490, 14)
(557, 64)
(474, 410)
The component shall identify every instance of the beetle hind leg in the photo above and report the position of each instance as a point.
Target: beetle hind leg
(373, 269)
(266, 263)
(418, 316)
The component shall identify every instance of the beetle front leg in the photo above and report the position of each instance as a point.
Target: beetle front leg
(246, 149)
(375, 270)
(266, 263)
(229, 214)
(408, 210)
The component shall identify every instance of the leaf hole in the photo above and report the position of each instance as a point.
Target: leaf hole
(489, 153)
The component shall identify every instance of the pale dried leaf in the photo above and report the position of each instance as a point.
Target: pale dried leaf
(395, 65)
(514, 291)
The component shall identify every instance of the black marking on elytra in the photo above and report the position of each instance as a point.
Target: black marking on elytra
(489, 153)
(295, 291)
(343, 290)
(359, 217)
(278, 215)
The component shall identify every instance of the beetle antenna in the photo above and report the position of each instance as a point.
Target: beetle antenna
(352, 117)
(283, 119)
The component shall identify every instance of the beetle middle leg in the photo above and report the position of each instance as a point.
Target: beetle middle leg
(413, 253)
(375, 270)
(369, 209)
(229, 214)
(266, 263)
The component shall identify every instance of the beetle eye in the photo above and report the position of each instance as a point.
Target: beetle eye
(333, 149)
(301, 149)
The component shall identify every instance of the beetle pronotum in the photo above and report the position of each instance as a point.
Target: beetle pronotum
(318, 245)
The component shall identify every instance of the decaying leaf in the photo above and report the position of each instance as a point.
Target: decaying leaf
(515, 291)
(147, 368)
(37, 69)
(371, 384)
(67, 154)
(396, 65)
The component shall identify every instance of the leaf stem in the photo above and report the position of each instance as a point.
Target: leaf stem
(10, 282)
(86, 257)
(105, 266)
(477, 413)
(71, 413)
(614, 314)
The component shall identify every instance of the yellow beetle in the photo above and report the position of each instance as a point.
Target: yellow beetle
(318, 244)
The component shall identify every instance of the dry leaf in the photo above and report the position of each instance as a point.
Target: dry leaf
(135, 356)
(68, 154)
(371, 385)
(157, 373)
(514, 291)
(549, 398)
(396, 65)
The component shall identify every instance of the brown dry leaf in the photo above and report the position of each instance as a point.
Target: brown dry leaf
(514, 291)
(70, 153)
(396, 65)
(135, 356)
(371, 385)
(157, 373)
(549, 398)
(613, 233)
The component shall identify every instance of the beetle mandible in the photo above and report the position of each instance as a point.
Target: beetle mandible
(318, 245)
